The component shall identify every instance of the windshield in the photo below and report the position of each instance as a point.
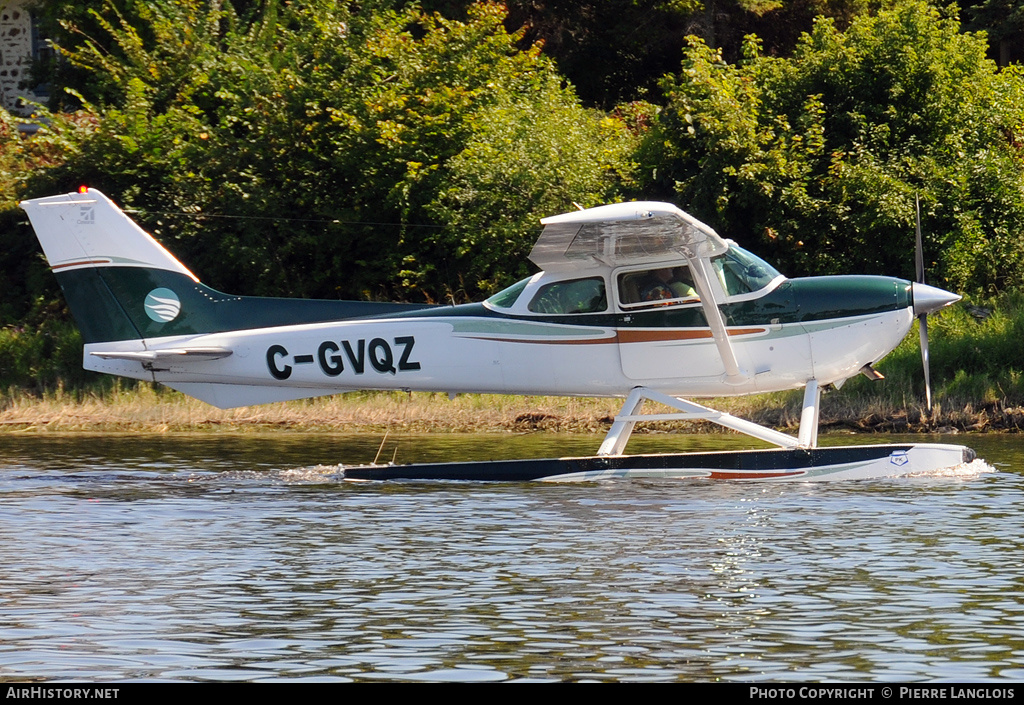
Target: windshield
(742, 272)
(506, 298)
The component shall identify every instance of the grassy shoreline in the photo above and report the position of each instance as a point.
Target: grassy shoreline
(146, 409)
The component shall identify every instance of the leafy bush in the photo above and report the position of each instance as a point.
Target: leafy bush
(817, 158)
(43, 358)
(306, 150)
(29, 291)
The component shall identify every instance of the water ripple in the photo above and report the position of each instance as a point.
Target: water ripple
(135, 560)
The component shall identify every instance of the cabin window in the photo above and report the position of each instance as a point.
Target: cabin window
(742, 272)
(653, 287)
(506, 298)
(573, 296)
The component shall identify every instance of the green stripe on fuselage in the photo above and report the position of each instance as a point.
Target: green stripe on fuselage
(821, 299)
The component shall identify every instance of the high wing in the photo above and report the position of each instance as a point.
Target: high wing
(623, 233)
(637, 232)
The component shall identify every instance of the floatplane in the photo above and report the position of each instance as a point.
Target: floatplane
(637, 300)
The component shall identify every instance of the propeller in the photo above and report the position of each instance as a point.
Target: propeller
(922, 319)
(927, 299)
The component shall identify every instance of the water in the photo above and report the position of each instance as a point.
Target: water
(247, 558)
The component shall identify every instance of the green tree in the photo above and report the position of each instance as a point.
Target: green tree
(325, 152)
(616, 50)
(29, 293)
(816, 159)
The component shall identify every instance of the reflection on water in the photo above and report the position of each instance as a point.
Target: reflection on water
(248, 558)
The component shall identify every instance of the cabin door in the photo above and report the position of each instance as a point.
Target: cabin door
(662, 331)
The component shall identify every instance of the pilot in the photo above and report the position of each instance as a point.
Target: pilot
(682, 284)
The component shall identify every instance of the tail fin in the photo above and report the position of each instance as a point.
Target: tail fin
(103, 261)
(86, 229)
(121, 284)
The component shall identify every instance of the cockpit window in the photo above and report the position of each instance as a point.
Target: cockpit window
(742, 272)
(506, 298)
(573, 296)
(649, 287)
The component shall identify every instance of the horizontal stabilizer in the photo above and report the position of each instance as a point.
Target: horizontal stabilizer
(168, 355)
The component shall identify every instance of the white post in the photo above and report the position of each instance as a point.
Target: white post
(618, 435)
(809, 415)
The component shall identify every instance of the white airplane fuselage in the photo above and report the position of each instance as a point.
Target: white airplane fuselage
(480, 348)
(597, 324)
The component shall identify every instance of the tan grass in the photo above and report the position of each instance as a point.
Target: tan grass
(144, 408)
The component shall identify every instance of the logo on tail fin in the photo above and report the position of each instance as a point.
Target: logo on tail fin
(162, 305)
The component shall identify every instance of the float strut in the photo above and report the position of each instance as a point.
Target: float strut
(809, 415)
(618, 434)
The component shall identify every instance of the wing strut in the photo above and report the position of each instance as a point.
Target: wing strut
(733, 373)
